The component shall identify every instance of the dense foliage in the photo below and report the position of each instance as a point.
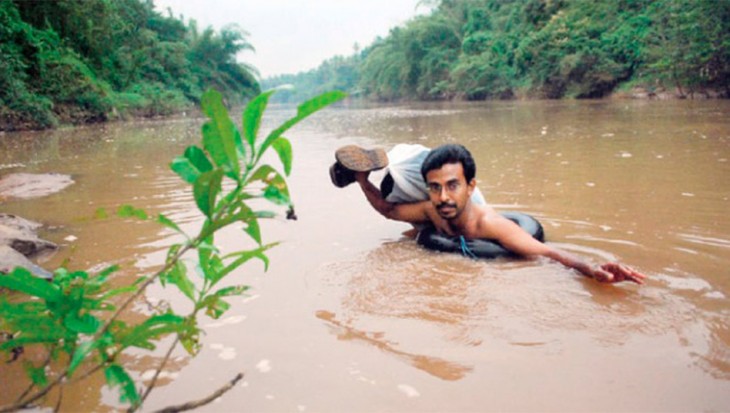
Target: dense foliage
(90, 60)
(74, 320)
(492, 49)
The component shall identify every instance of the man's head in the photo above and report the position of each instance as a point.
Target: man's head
(450, 153)
(449, 174)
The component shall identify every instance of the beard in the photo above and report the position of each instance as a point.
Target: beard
(447, 211)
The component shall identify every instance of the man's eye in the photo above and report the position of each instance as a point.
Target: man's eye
(434, 188)
(453, 186)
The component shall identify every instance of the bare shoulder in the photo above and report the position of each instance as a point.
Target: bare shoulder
(494, 226)
(491, 224)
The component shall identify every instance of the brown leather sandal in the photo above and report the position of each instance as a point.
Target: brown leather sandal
(351, 159)
(359, 159)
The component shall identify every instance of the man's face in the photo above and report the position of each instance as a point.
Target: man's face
(448, 190)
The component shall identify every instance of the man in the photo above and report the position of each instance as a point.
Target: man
(449, 175)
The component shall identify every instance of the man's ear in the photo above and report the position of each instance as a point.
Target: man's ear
(472, 185)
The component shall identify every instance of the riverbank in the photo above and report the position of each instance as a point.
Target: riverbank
(70, 117)
(59, 70)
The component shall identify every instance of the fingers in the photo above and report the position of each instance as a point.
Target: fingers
(635, 279)
(631, 274)
(623, 273)
(636, 276)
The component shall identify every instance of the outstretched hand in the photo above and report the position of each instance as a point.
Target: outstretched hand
(613, 273)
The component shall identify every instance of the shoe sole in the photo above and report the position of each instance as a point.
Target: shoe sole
(359, 159)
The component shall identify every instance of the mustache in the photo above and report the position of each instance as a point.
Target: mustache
(445, 205)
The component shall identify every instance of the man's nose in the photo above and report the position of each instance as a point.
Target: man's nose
(443, 195)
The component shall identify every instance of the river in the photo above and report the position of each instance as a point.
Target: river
(353, 316)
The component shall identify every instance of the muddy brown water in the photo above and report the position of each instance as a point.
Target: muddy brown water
(352, 316)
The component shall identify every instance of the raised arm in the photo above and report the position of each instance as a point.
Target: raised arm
(518, 241)
(413, 213)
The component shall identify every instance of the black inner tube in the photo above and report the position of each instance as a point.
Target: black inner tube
(481, 248)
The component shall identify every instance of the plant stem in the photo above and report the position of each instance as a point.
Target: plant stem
(151, 386)
(202, 402)
(60, 398)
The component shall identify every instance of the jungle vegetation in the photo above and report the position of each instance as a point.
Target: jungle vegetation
(79, 61)
(503, 49)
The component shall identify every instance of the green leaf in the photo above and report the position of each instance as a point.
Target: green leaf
(63, 278)
(276, 190)
(304, 110)
(191, 164)
(185, 169)
(205, 190)
(252, 116)
(22, 308)
(98, 281)
(116, 291)
(86, 324)
(282, 146)
(178, 275)
(23, 281)
(253, 229)
(162, 219)
(212, 267)
(242, 214)
(273, 194)
(117, 376)
(265, 214)
(36, 374)
(151, 329)
(243, 256)
(190, 337)
(128, 211)
(219, 134)
(80, 354)
(231, 291)
(215, 306)
(198, 158)
(106, 272)
(319, 102)
(239, 144)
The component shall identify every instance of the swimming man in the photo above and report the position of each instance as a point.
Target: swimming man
(449, 172)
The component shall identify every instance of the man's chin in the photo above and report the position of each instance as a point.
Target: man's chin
(449, 214)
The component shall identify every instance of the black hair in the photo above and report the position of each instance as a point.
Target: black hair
(450, 153)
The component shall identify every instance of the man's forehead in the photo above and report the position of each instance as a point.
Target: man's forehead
(447, 172)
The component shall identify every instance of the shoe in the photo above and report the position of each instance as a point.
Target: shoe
(340, 175)
(358, 159)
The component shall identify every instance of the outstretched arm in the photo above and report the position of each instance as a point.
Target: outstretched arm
(518, 241)
(611, 272)
(414, 213)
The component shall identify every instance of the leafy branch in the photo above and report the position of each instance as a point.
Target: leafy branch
(77, 314)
